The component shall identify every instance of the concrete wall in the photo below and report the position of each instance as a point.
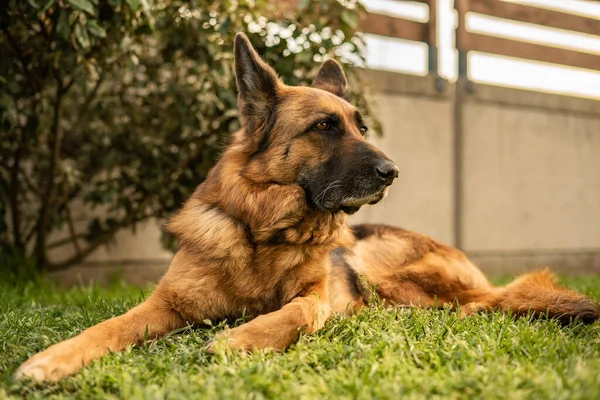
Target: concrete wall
(417, 122)
(531, 181)
(528, 194)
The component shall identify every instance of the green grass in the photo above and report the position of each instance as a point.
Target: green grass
(375, 354)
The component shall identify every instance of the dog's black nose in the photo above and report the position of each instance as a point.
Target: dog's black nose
(387, 171)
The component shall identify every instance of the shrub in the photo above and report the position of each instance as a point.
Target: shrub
(122, 105)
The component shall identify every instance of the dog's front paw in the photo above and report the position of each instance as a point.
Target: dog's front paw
(472, 309)
(51, 365)
(228, 339)
(40, 368)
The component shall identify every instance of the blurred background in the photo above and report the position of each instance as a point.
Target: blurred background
(112, 111)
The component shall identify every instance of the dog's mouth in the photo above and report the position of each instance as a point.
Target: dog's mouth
(353, 204)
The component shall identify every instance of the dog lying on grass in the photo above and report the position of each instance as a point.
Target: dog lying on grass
(266, 235)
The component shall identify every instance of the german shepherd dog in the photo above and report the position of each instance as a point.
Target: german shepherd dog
(266, 235)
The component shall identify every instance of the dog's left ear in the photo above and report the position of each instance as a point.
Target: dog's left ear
(257, 84)
(332, 79)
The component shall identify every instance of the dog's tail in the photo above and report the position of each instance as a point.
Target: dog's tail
(538, 294)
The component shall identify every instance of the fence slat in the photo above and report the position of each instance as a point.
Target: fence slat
(462, 7)
(536, 15)
(386, 25)
(414, 1)
(530, 51)
(432, 23)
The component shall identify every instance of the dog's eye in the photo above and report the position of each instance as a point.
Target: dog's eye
(363, 129)
(323, 126)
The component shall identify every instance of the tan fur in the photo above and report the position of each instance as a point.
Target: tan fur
(408, 268)
(251, 244)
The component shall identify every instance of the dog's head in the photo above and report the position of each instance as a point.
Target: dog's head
(309, 136)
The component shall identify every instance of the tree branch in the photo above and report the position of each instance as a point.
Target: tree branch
(30, 185)
(15, 188)
(14, 198)
(48, 198)
(100, 239)
(13, 43)
(62, 242)
(70, 221)
(85, 108)
(30, 234)
(66, 87)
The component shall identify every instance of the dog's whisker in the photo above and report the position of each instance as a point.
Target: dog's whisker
(334, 184)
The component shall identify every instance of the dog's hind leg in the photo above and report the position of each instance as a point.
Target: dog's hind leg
(149, 320)
(409, 268)
(279, 329)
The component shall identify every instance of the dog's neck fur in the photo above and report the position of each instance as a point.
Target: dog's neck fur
(231, 215)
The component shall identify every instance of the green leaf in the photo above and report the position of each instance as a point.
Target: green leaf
(83, 5)
(45, 7)
(74, 16)
(143, 30)
(303, 5)
(225, 26)
(134, 5)
(304, 57)
(82, 36)
(95, 29)
(349, 18)
(33, 4)
(62, 26)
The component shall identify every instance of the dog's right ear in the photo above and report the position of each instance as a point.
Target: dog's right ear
(257, 84)
(331, 78)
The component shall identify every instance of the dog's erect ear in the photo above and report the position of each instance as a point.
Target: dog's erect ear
(331, 78)
(257, 83)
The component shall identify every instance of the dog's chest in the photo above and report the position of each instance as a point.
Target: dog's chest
(276, 276)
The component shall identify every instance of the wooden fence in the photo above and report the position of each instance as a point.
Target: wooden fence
(390, 26)
(468, 41)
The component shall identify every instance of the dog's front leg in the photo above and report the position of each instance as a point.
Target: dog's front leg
(279, 329)
(151, 319)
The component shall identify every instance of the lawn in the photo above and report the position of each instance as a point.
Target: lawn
(375, 354)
